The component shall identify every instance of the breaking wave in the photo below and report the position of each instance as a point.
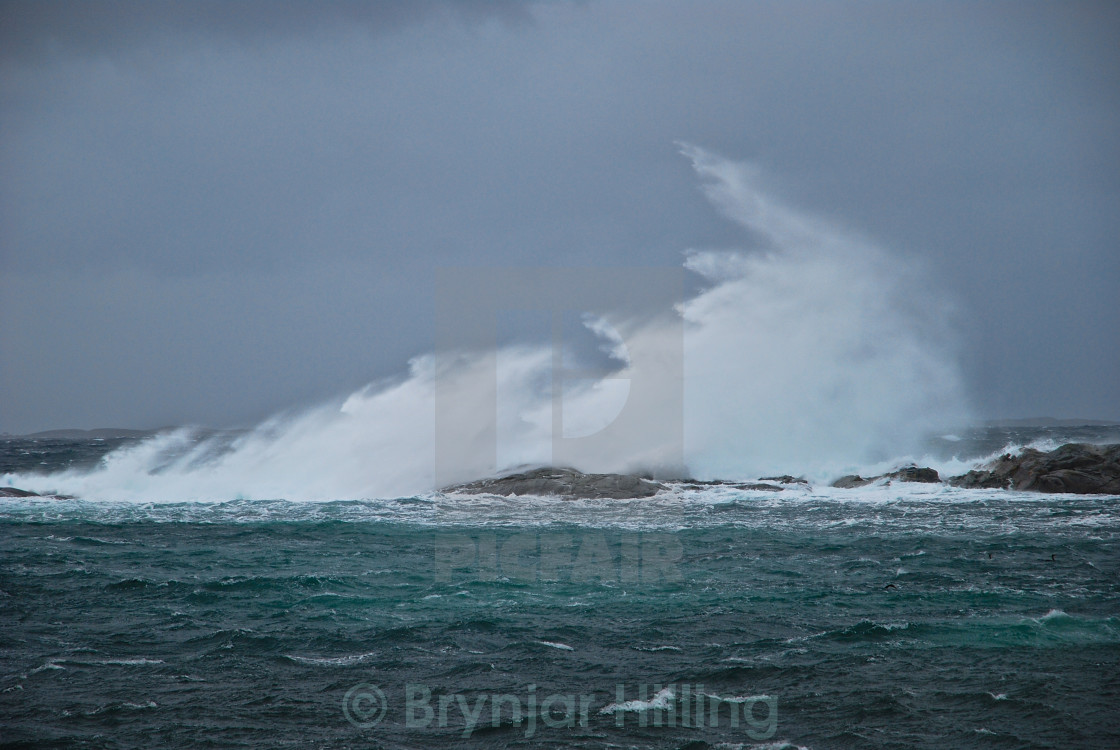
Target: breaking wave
(810, 351)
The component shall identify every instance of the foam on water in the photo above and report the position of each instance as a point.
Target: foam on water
(558, 646)
(332, 661)
(661, 700)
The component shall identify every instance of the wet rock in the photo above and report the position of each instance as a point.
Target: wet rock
(567, 483)
(1078, 468)
(851, 481)
(785, 479)
(16, 492)
(703, 484)
(981, 479)
(915, 474)
(905, 474)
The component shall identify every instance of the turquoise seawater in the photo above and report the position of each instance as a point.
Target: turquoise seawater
(892, 617)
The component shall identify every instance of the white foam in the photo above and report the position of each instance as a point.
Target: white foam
(656, 648)
(50, 665)
(57, 663)
(660, 701)
(331, 661)
(1055, 614)
(740, 698)
(553, 644)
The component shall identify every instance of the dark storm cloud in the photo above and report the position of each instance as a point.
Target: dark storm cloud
(37, 29)
(212, 210)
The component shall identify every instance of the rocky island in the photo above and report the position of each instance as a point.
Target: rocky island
(1078, 468)
(559, 482)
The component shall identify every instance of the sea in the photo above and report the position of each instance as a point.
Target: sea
(891, 616)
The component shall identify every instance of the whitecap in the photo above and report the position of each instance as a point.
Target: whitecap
(331, 661)
(656, 648)
(134, 662)
(554, 644)
(1055, 614)
(660, 701)
(48, 665)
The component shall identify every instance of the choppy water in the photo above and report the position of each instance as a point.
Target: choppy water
(901, 616)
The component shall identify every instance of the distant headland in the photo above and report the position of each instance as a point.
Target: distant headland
(104, 433)
(1050, 422)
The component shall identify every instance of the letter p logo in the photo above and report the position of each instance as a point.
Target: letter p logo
(630, 310)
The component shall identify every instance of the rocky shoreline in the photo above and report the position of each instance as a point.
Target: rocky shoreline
(1077, 468)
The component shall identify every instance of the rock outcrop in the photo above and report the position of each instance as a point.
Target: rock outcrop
(703, 484)
(851, 481)
(915, 474)
(1077, 468)
(905, 474)
(786, 479)
(16, 492)
(567, 483)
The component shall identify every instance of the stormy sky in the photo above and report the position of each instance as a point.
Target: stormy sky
(212, 211)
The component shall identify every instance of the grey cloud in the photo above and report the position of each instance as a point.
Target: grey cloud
(32, 30)
(279, 154)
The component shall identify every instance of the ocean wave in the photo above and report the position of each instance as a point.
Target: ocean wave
(332, 661)
(881, 510)
(556, 645)
(661, 700)
(139, 661)
(655, 649)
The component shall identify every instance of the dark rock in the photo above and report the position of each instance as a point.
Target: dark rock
(703, 484)
(915, 474)
(851, 481)
(785, 479)
(980, 479)
(905, 474)
(567, 483)
(16, 492)
(1078, 468)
